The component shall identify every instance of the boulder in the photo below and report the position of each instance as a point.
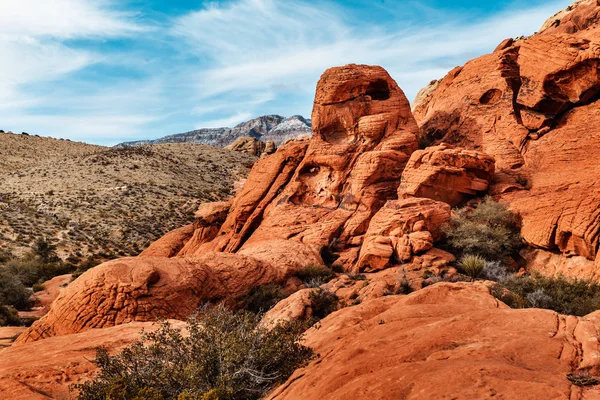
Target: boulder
(248, 145)
(400, 230)
(446, 174)
(445, 341)
(148, 288)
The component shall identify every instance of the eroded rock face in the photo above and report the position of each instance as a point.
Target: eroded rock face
(325, 190)
(533, 105)
(445, 341)
(446, 174)
(149, 288)
(400, 230)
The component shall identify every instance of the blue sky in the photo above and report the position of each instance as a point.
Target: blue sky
(106, 71)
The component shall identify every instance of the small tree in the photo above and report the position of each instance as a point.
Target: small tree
(45, 250)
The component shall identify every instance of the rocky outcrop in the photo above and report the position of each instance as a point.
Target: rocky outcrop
(446, 174)
(307, 196)
(578, 16)
(401, 230)
(324, 191)
(445, 341)
(149, 288)
(533, 105)
(247, 145)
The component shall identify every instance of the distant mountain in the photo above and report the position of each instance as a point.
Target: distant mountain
(268, 127)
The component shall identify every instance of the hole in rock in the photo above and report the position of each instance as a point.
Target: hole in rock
(378, 90)
(492, 96)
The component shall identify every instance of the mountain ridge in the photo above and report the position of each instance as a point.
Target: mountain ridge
(266, 127)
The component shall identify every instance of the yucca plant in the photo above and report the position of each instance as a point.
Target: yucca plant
(472, 265)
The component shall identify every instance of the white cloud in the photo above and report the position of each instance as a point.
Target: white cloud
(64, 19)
(260, 44)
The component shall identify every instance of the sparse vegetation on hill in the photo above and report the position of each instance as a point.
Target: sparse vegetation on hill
(93, 201)
(226, 355)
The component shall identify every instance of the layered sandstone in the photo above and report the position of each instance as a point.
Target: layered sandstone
(533, 105)
(401, 230)
(247, 145)
(446, 341)
(446, 174)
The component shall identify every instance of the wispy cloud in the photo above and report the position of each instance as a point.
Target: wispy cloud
(266, 44)
(99, 71)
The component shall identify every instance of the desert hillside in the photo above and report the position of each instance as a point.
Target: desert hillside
(93, 200)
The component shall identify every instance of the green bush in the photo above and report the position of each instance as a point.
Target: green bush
(323, 303)
(566, 296)
(225, 355)
(472, 265)
(9, 316)
(491, 231)
(31, 269)
(45, 250)
(315, 275)
(13, 292)
(262, 298)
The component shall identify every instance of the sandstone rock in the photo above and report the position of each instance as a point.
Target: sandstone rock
(149, 288)
(248, 145)
(554, 264)
(209, 218)
(578, 16)
(46, 369)
(424, 94)
(445, 341)
(533, 107)
(446, 174)
(295, 307)
(170, 244)
(400, 230)
(326, 190)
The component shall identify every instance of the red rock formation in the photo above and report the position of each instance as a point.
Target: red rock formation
(533, 105)
(326, 190)
(247, 145)
(446, 174)
(445, 341)
(400, 230)
(147, 288)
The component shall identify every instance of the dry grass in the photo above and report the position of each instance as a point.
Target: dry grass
(93, 200)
